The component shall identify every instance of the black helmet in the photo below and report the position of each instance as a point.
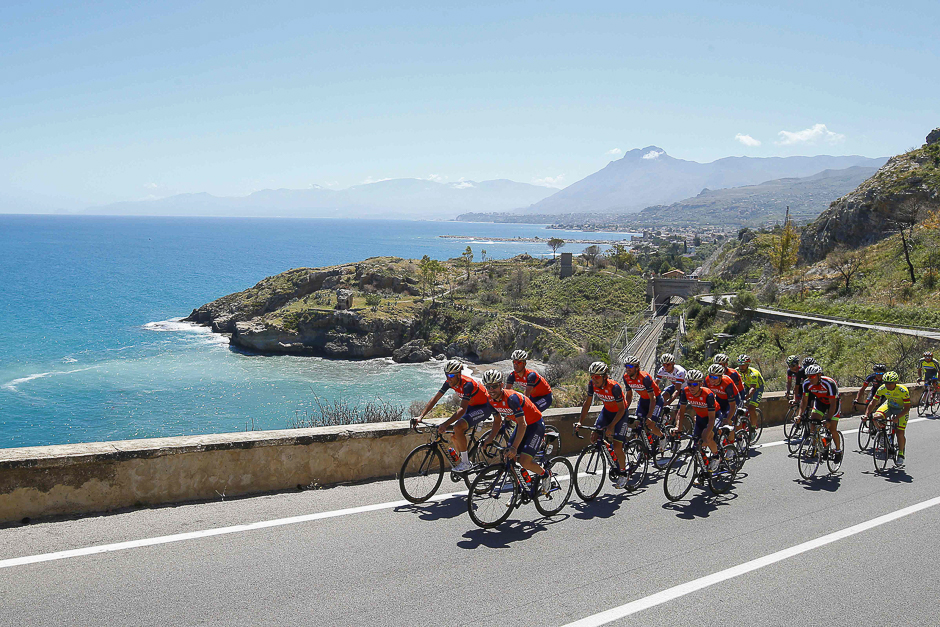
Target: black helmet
(793, 360)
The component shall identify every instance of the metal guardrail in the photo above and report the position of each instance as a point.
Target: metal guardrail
(810, 314)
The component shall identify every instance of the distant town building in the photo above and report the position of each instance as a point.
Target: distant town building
(674, 274)
(566, 268)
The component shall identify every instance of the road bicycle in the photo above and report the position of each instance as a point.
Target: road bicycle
(502, 487)
(865, 429)
(595, 458)
(753, 431)
(816, 447)
(650, 443)
(422, 471)
(795, 429)
(691, 465)
(738, 438)
(929, 400)
(884, 442)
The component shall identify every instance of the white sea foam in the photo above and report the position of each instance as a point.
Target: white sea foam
(176, 325)
(69, 360)
(15, 383)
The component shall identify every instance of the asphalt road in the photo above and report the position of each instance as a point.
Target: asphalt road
(424, 565)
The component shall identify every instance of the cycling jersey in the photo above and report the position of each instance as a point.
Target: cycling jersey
(675, 378)
(517, 404)
(826, 390)
(796, 378)
(875, 383)
(642, 384)
(609, 394)
(467, 389)
(540, 386)
(725, 390)
(753, 378)
(735, 376)
(702, 402)
(930, 368)
(895, 398)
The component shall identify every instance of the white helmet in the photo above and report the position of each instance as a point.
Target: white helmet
(598, 367)
(716, 369)
(492, 376)
(519, 355)
(667, 358)
(631, 360)
(720, 358)
(694, 376)
(454, 366)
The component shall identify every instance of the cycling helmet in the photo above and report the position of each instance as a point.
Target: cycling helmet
(813, 369)
(720, 358)
(879, 368)
(667, 358)
(631, 360)
(519, 355)
(928, 355)
(793, 360)
(598, 367)
(716, 369)
(744, 359)
(694, 375)
(808, 361)
(454, 366)
(892, 377)
(492, 376)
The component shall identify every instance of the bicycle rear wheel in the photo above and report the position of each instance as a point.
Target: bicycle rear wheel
(421, 473)
(831, 462)
(880, 452)
(680, 474)
(757, 425)
(788, 423)
(798, 433)
(935, 403)
(864, 434)
(742, 448)
(637, 465)
(589, 473)
(923, 405)
(721, 480)
(809, 457)
(492, 496)
(551, 501)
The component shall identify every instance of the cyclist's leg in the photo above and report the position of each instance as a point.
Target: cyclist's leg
(543, 402)
(753, 404)
(902, 436)
(653, 423)
(531, 444)
(620, 438)
(474, 415)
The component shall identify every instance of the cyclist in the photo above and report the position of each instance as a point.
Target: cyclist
(731, 373)
(754, 386)
(875, 380)
(892, 401)
(672, 375)
(726, 395)
(793, 369)
(611, 416)
(927, 370)
(536, 387)
(529, 435)
(822, 394)
(474, 408)
(703, 403)
(649, 404)
(799, 376)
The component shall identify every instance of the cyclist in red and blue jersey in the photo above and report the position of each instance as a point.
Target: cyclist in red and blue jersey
(726, 394)
(536, 387)
(732, 374)
(529, 436)
(821, 394)
(649, 404)
(703, 403)
(875, 380)
(474, 408)
(610, 417)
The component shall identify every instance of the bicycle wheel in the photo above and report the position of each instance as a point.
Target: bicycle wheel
(935, 403)
(788, 423)
(831, 462)
(589, 473)
(680, 474)
(797, 434)
(880, 452)
(757, 426)
(559, 489)
(923, 405)
(721, 480)
(421, 473)
(742, 448)
(492, 496)
(864, 434)
(637, 465)
(809, 457)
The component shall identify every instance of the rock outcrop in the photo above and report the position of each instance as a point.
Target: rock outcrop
(412, 353)
(907, 188)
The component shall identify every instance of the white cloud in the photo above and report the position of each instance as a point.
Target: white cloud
(652, 154)
(151, 185)
(747, 140)
(818, 132)
(437, 178)
(550, 181)
(369, 180)
(614, 152)
(462, 184)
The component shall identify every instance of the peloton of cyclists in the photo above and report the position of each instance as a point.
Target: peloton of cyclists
(649, 404)
(892, 401)
(611, 416)
(671, 377)
(536, 387)
(821, 395)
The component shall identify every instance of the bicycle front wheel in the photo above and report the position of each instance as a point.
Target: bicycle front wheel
(788, 423)
(721, 480)
(421, 474)
(550, 501)
(742, 448)
(831, 462)
(923, 405)
(637, 465)
(864, 434)
(809, 457)
(492, 496)
(680, 473)
(756, 428)
(589, 473)
(880, 451)
(798, 433)
(935, 403)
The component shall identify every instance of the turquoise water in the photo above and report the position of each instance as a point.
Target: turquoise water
(90, 344)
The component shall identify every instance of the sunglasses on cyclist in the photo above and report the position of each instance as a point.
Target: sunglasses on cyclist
(694, 384)
(451, 375)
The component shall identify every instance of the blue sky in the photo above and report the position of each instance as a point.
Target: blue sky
(102, 102)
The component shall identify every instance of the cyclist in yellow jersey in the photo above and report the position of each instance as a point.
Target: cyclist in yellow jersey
(753, 385)
(927, 370)
(892, 401)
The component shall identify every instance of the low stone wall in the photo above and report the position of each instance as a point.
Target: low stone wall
(43, 481)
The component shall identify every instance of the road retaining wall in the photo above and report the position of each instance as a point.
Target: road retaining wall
(44, 481)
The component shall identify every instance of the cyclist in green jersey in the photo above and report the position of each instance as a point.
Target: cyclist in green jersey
(928, 369)
(753, 385)
(892, 401)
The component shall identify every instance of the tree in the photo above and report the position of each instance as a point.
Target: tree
(932, 265)
(590, 253)
(430, 270)
(373, 301)
(622, 257)
(468, 259)
(483, 254)
(555, 243)
(696, 241)
(846, 262)
(785, 246)
(905, 217)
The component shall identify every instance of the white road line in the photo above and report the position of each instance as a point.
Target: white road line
(735, 571)
(782, 442)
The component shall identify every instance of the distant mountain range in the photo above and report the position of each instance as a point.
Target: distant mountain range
(648, 176)
(394, 198)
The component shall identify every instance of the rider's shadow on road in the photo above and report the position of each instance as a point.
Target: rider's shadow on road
(602, 507)
(437, 510)
(700, 506)
(892, 475)
(507, 533)
(827, 483)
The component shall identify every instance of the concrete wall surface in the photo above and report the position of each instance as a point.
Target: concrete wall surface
(43, 481)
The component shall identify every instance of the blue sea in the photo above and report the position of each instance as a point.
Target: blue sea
(91, 347)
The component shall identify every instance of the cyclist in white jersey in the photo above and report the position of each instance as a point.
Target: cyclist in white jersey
(671, 376)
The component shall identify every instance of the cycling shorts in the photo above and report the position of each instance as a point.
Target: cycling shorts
(670, 389)
(895, 412)
(604, 419)
(476, 414)
(542, 402)
(643, 407)
(823, 406)
(755, 400)
(532, 440)
(701, 423)
(930, 374)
